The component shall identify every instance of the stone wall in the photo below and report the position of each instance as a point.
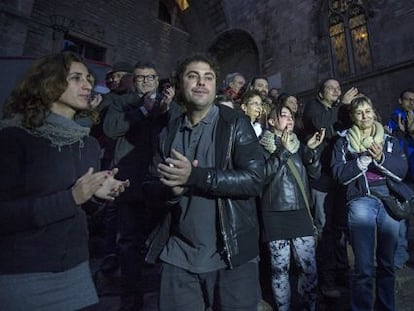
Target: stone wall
(287, 39)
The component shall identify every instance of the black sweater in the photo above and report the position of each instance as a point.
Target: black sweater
(41, 227)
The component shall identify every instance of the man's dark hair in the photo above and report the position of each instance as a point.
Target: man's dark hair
(145, 64)
(258, 78)
(182, 66)
(405, 91)
(320, 87)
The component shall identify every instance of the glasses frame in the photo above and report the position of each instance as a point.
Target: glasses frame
(142, 78)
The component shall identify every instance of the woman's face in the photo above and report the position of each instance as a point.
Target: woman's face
(363, 116)
(77, 93)
(284, 121)
(292, 103)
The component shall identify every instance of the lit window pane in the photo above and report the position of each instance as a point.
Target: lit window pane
(338, 44)
(362, 52)
(340, 54)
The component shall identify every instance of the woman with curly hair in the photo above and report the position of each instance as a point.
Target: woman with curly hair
(49, 169)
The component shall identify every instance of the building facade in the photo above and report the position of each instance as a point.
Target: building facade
(296, 43)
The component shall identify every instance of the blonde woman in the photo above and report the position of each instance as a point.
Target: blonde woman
(364, 160)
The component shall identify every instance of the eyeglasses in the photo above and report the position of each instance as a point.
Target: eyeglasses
(141, 78)
(411, 100)
(332, 89)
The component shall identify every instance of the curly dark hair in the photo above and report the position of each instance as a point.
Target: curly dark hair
(182, 66)
(42, 85)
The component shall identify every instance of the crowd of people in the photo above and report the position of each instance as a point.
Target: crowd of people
(211, 182)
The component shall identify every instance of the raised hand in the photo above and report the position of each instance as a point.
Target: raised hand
(167, 98)
(401, 123)
(96, 101)
(350, 95)
(410, 122)
(316, 139)
(285, 138)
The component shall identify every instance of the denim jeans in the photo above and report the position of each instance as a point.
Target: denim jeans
(401, 254)
(373, 234)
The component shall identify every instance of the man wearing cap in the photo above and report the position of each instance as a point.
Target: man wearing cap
(114, 76)
(119, 82)
(134, 121)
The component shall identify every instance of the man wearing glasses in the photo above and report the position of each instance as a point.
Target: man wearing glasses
(329, 110)
(134, 121)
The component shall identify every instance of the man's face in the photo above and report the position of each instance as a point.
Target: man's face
(262, 86)
(198, 86)
(237, 83)
(113, 79)
(292, 103)
(274, 93)
(407, 101)
(331, 92)
(146, 80)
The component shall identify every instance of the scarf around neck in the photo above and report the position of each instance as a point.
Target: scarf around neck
(60, 131)
(268, 141)
(361, 144)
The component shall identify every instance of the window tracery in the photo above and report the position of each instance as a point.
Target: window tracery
(349, 38)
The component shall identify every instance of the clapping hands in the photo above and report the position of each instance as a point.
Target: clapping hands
(101, 184)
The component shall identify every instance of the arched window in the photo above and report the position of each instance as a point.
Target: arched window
(349, 39)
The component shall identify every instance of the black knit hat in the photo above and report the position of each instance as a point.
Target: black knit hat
(122, 66)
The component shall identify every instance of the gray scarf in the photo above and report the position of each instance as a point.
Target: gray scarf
(60, 131)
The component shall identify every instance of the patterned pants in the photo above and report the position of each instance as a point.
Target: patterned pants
(303, 250)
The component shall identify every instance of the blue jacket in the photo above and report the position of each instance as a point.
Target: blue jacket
(345, 170)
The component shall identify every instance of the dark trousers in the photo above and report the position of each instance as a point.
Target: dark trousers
(111, 228)
(133, 229)
(332, 255)
(224, 289)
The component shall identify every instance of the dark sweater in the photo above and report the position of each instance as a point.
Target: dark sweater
(41, 227)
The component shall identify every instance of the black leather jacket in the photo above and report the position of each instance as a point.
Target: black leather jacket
(234, 183)
(281, 192)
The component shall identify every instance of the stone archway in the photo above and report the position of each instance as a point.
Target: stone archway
(236, 51)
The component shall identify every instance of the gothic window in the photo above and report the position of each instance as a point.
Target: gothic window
(349, 37)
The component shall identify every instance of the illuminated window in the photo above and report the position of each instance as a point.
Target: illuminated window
(349, 37)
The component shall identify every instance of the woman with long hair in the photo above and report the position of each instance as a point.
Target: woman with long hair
(287, 224)
(50, 167)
